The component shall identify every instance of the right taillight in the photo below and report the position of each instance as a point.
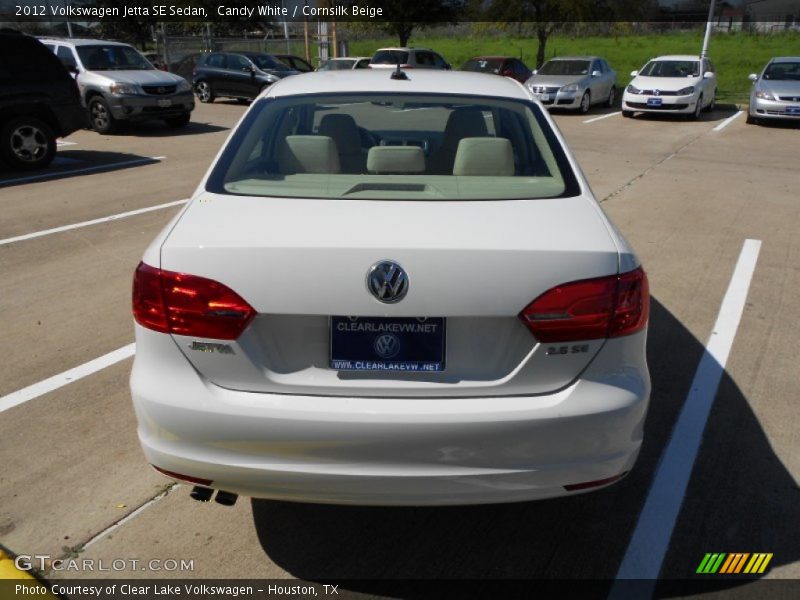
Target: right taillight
(590, 309)
(186, 304)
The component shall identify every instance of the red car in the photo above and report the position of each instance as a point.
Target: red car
(507, 66)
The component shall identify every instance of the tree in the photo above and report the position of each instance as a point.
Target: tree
(549, 15)
(402, 17)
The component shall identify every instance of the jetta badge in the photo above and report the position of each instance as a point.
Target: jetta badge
(387, 281)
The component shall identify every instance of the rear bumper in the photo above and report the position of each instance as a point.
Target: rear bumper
(385, 451)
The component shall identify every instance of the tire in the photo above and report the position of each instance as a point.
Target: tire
(100, 116)
(628, 114)
(612, 97)
(178, 122)
(204, 91)
(713, 104)
(751, 120)
(586, 103)
(27, 143)
(697, 109)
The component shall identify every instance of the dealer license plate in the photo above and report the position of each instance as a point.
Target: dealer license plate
(387, 343)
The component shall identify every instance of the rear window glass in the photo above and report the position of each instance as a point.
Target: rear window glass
(483, 65)
(390, 57)
(394, 146)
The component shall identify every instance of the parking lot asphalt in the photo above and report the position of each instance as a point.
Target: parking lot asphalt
(686, 195)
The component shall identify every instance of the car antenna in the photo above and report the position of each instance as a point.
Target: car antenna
(399, 73)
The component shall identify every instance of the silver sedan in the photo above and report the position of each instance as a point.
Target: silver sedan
(776, 91)
(574, 82)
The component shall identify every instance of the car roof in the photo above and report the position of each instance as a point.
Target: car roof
(677, 57)
(576, 57)
(404, 49)
(379, 80)
(348, 58)
(779, 59)
(492, 57)
(82, 41)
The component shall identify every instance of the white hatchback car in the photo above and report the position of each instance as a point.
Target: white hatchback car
(381, 293)
(672, 84)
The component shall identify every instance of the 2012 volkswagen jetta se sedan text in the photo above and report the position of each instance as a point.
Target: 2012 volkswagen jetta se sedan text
(385, 294)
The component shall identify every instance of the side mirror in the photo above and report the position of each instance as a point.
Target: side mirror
(596, 73)
(447, 66)
(708, 75)
(634, 73)
(73, 69)
(753, 77)
(534, 72)
(508, 72)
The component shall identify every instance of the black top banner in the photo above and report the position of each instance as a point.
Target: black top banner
(430, 11)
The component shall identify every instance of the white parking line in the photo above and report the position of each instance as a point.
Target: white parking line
(65, 143)
(36, 234)
(54, 174)
(650, 539)
(601, 117)
(56, 381)
(727, 121)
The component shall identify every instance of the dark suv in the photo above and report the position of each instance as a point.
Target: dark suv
(239, 75)
(39, 102)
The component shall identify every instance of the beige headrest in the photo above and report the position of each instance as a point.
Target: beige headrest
(308, 154)
(484, 156)
(396, 159)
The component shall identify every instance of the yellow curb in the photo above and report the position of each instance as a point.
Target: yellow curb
(8, 570)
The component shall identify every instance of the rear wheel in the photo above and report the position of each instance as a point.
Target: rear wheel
(100, 116)
(612, 97)
(586, 102)
(204, 91)
(27, 143)
(178, 122)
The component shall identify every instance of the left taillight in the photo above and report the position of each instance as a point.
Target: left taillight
(186, 304)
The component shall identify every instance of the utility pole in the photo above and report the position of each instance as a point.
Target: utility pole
(704, 51)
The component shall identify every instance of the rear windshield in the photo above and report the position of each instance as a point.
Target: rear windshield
(337, 65)
(783, 71)
(390, 57)
(394, 146)
(112, 58)
(267, 62)
(483, 65)
(565, 67)
(671, 68)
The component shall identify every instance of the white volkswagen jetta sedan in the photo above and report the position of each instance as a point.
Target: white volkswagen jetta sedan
(672, 84)
(381, 293)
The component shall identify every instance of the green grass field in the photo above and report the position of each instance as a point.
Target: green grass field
(735, 54)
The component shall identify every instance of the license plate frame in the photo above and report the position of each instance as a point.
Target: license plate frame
(387, 344)
(164, 102)
(793, 110)
(654, 102)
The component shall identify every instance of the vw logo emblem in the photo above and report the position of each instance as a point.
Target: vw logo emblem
(387, 345)
(656, 92)
(387, 281)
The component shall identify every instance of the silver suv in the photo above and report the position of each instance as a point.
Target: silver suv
(118, 84)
